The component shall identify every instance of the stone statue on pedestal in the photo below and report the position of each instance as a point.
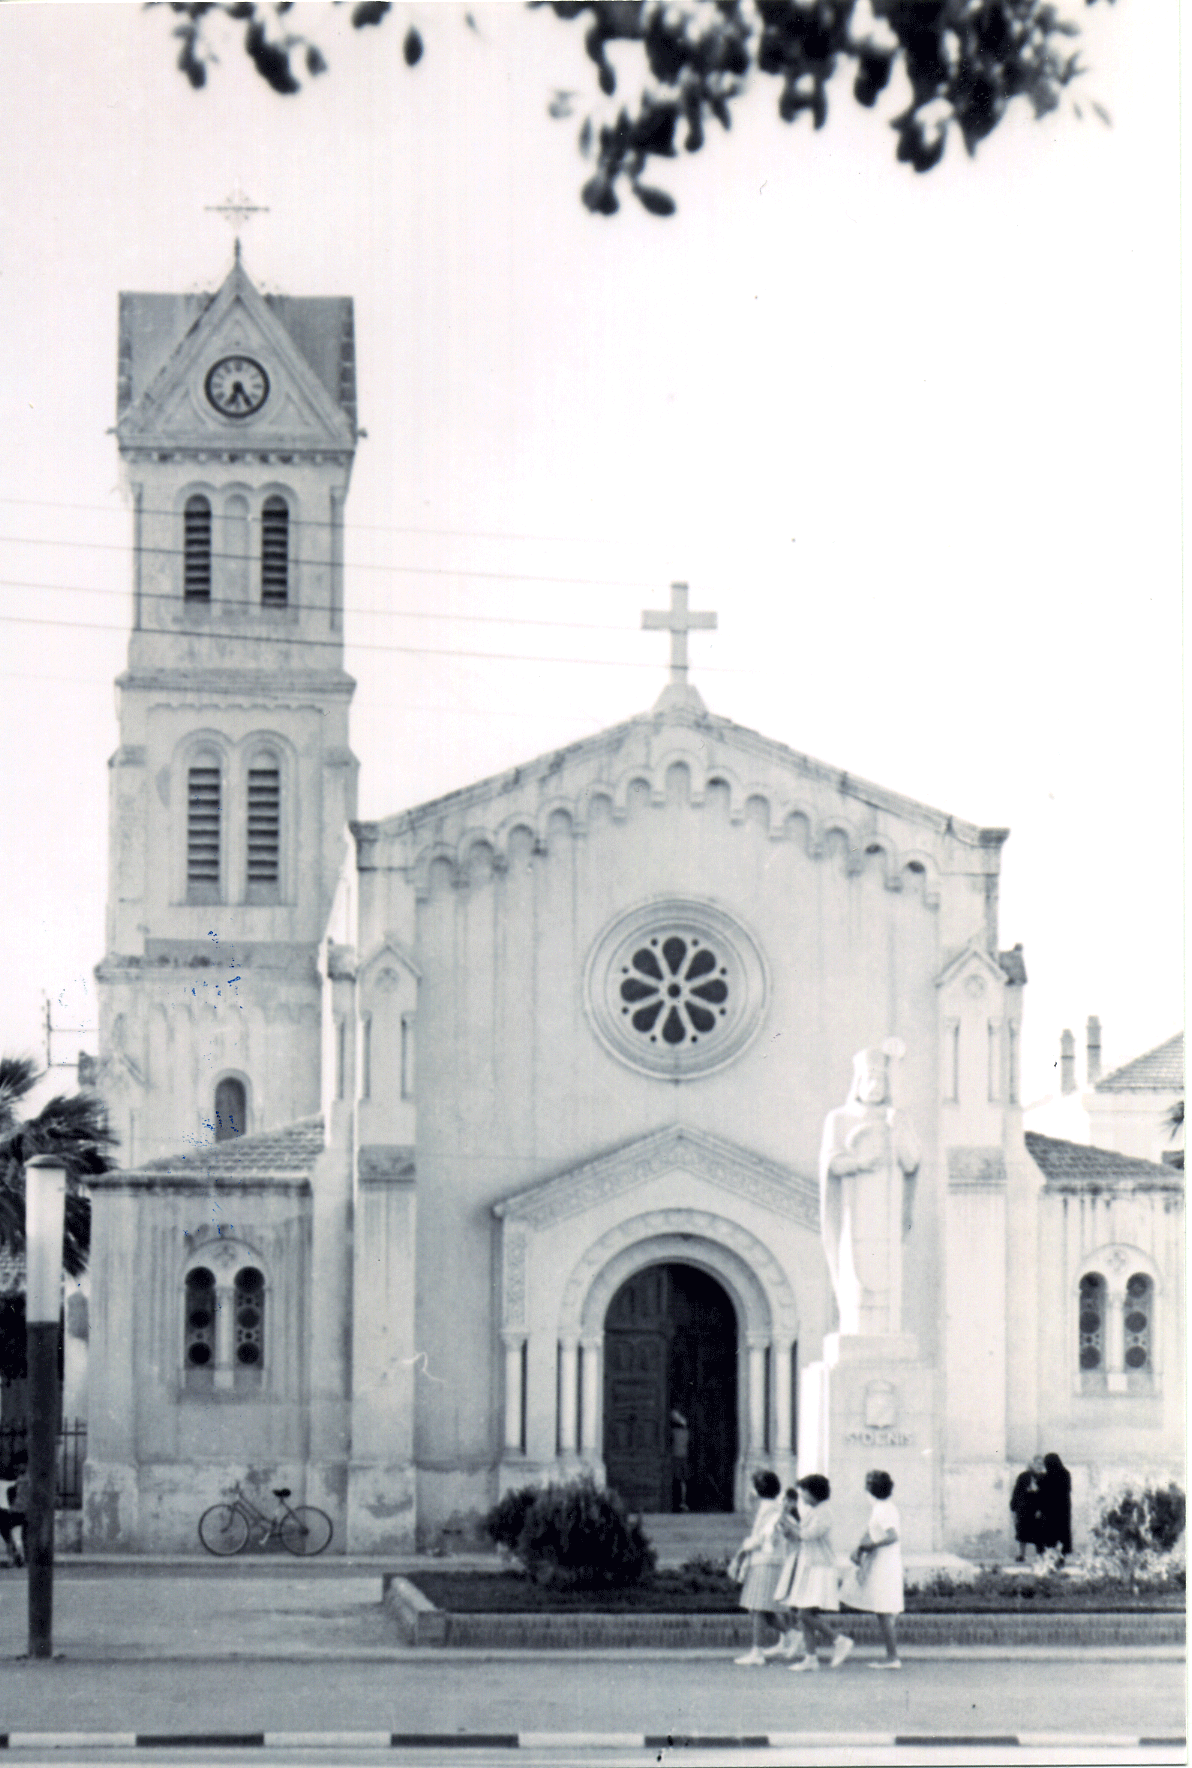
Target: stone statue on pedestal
(868, 1159)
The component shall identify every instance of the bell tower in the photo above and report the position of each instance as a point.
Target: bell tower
(233, 781)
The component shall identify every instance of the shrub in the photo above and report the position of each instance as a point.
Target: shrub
(506, 1520)
(574, 1537)
(1138, 1523)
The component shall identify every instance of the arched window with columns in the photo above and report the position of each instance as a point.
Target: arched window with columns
(224, 1319)
(1116, 1339)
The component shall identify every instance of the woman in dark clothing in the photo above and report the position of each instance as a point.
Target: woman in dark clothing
(1025, 1504)
(1055, 1506)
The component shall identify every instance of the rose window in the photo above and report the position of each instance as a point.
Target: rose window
(674, 988)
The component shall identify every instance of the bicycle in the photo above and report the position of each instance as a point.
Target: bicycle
(228, 1528)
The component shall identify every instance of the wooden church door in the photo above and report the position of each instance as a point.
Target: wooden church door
(670, 1340)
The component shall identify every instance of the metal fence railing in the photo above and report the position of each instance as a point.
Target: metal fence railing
(72, 1452)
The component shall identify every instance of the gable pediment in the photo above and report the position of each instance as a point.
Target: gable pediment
(790, 795)
(725, 1165)
(972, 960)
(173, 408)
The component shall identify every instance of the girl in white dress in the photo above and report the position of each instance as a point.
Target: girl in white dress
(758, 1560)
(876, 1585)
(808, 1584)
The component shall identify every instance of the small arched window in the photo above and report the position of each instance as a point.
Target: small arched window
(199, 1328)
(197, 550)
(1137, 1313)
(231, 1109)
(1092, 1330)
(249, 1320)
(203, 831)
(275, 553)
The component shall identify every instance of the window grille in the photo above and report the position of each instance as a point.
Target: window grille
(197, 550)
(199, 1323)
(264, 824)
(250, 1319)
(1091, 1327)
(1136, 1328)
(231, 1109)
(674, 987)
(275, 553)
(202, 834)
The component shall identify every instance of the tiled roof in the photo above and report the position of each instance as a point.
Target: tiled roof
(290, 1152)
(1074, 1163)
(1161, 1070)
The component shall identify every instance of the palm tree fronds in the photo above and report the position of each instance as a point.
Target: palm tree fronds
(73, 1127)
(18, 1076)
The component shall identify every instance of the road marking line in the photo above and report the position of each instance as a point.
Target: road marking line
(72, 1740)
(852, 1740)
(459, 1740)
(200, 1740)
(327, 1740)
(580, 1740)
(1078, 1739)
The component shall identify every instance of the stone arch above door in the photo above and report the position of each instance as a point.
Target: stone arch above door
(755, 1282)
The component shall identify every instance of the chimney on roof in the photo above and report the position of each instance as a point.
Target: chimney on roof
(1093, 1050)
(1067, 1063)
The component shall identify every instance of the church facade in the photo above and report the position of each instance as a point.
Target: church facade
(465, 1147)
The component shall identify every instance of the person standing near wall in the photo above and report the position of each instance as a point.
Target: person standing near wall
(1025, 1502)
(1055, 1506)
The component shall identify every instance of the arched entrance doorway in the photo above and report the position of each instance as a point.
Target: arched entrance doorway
(670, 1342)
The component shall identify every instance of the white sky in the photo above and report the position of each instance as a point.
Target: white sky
(914, 438)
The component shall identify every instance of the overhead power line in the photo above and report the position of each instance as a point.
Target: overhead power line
(347, 527)
(299, 639)
(177, 552)
(320, 522)
(156, 595)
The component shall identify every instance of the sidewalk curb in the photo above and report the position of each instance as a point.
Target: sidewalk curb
(419, 1621)
(540, 1740)
(465, 1654)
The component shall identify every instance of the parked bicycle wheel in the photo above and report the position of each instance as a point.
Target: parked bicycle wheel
(223, 1529)
(305, 1530)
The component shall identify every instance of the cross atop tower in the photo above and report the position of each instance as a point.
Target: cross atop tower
(678, 621)
(237, 209)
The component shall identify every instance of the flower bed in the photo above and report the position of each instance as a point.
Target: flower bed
(708, 1592)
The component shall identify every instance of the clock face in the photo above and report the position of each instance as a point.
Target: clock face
(237, 386)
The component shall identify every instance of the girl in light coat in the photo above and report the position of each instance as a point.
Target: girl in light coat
(758, 1560)
(808, 1583)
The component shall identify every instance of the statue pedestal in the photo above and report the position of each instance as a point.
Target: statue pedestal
(869, 1403)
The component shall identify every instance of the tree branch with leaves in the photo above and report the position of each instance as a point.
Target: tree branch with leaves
(964, 63)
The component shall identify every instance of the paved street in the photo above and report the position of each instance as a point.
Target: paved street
(233, 1653)
(612, 1692)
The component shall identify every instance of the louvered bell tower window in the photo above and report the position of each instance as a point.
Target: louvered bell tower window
(197, 550)
(264, 833)
(275, 553)
(202, 834)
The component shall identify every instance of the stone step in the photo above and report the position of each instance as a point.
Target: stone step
(691, 1534)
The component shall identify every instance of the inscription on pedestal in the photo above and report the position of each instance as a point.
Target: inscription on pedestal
(879, 1438)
